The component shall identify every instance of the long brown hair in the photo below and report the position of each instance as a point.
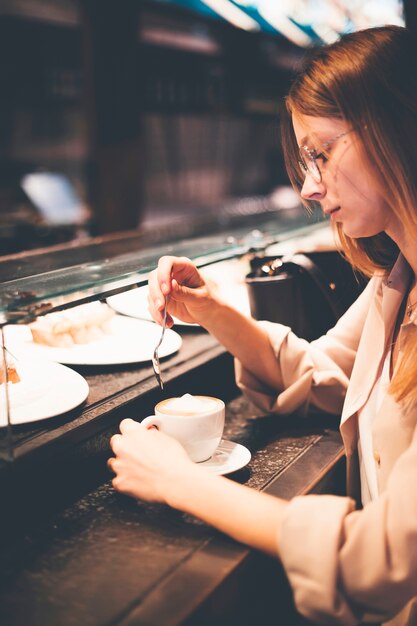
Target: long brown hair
(367, 79)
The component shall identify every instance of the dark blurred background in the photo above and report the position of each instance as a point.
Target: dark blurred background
(160, 116)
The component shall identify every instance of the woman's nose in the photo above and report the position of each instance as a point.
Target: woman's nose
(311, 189)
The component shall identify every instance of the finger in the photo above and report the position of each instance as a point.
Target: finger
(180, 293)
(154, 286)
(155, 295)
(110, 463)
(116, 483)
(186, 273)
(182, 268)
(128, 425)
(115, 442)
(164, 271)
(156, 313)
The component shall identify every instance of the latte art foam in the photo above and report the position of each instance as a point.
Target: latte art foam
(189, 405)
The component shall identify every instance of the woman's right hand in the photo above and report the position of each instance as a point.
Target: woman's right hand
(190, 296)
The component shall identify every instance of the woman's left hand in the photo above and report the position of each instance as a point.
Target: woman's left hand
(152, 466)
(147, 464)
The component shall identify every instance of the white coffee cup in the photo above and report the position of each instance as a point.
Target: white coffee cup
(197, 422)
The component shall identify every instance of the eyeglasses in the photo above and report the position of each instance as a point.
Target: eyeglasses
(308, 157)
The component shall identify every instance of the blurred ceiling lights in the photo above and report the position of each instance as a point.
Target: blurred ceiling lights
(233, 14)
(304, 22)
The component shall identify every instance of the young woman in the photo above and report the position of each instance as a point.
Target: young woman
(350, 138)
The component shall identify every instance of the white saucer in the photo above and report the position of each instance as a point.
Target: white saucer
(229, 457)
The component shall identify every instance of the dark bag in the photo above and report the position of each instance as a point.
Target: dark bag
(308, 292)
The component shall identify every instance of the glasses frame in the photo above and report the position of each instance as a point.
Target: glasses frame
(310, 165)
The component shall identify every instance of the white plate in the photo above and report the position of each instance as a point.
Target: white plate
(129, 341)
(45, 389)
(229, 457)
(135, 304)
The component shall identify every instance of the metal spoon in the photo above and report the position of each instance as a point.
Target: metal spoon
(155, 358)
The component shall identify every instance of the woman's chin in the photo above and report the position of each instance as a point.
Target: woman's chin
(358, 233)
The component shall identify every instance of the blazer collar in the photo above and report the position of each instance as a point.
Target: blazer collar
(376, 334)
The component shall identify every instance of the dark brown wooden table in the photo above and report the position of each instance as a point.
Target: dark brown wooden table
(75, 553)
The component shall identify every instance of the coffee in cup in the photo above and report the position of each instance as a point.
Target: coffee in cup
(197, 422)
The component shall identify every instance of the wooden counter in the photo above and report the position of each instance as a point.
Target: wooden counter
(75, 553)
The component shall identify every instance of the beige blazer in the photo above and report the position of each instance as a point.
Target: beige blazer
(346, 565)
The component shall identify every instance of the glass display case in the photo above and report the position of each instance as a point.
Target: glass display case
(38, 283)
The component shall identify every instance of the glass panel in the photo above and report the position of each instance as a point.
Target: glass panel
(35, 292)
(25, 297)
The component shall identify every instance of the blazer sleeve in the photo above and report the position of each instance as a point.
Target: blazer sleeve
(346, 566)
(307, 374)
